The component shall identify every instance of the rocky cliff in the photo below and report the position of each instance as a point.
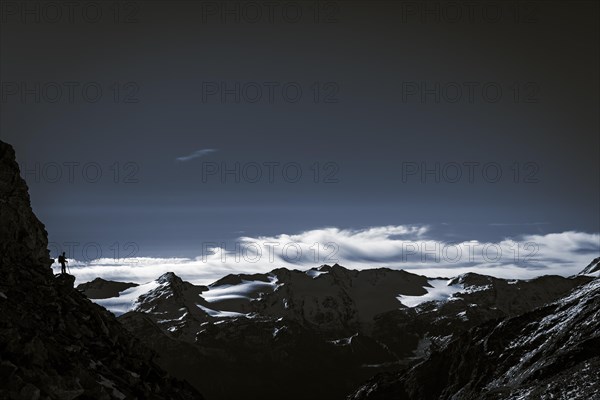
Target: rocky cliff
(54, 342)
(23, 238)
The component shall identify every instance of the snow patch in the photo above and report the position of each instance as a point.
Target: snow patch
(220, 314)
(164, 321)
(313, 273)
(277, 330)
(463, 315)
(243, 290)
(441, 290)
(127, 299)
(343, 341)
(474, 289)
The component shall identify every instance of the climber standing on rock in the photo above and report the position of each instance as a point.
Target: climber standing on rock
(63, 263)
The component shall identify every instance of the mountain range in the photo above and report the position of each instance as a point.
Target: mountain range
(325, 333)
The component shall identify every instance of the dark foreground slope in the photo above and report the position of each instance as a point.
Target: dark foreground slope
(552, 352)
(54, 342)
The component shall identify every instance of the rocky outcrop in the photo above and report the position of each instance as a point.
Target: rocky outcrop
(593, 268)
(54, 342)
(23, 238)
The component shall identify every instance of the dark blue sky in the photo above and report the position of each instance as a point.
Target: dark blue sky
(380, 85)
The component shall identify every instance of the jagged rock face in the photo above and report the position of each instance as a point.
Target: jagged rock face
(552, 352)
(23, 238)
(54, 342)
(593, 268)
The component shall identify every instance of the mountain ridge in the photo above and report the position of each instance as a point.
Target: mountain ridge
(312, 315)
(540, 354)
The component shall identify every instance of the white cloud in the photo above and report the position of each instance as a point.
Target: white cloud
(398, 247)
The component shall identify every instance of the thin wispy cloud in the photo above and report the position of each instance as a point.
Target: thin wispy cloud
(399, 247)
(519, 223)
(196, 154)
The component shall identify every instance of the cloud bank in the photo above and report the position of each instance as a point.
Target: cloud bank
(399, 247)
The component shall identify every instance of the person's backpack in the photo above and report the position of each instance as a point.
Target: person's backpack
(61, 259)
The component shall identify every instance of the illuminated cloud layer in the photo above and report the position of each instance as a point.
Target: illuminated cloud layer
(399, 247)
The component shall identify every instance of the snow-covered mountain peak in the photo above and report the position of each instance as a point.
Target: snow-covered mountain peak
(167, 286)
(169, 278)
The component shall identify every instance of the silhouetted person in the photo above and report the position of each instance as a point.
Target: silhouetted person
(63, 263)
